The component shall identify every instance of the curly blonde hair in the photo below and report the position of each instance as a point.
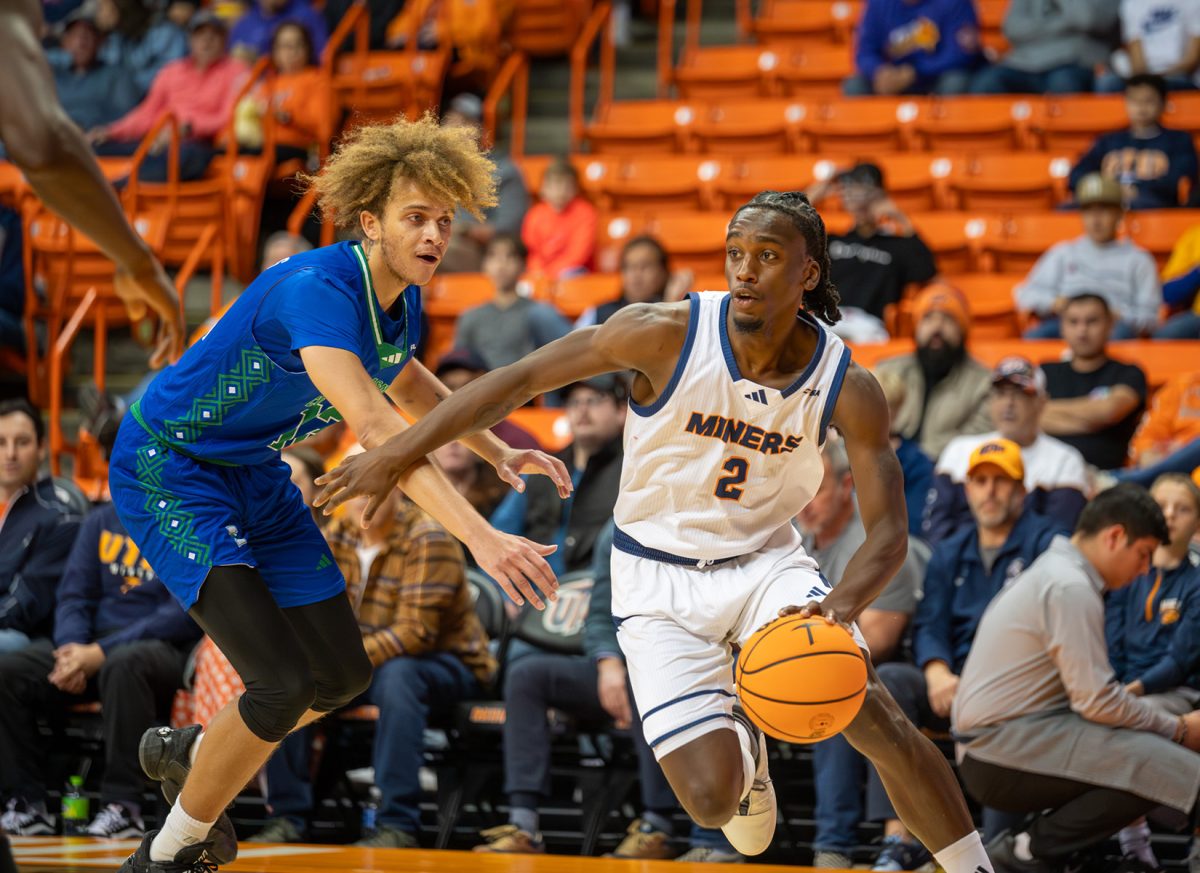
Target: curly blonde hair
(445, 161)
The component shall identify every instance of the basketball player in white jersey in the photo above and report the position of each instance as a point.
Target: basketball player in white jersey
(731, 401)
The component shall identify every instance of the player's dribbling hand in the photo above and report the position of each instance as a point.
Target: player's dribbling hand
(813, 609)
(517, 564)
(371, 473)
(518, 461)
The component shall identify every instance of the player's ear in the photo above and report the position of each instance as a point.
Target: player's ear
(812, 274)
(369, 224)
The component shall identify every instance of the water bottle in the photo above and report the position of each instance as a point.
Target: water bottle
(370, 810)
(74, 808)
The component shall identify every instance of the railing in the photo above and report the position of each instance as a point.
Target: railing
(62, 345)
(597, 25)
(513, 76)
(666, 46)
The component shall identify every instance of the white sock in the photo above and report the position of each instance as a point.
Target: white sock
(749, 765)
(178, 832)
(1022, 847)
(195, 748)
(965, 856)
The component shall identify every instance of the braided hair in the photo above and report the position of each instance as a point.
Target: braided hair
(822, 301)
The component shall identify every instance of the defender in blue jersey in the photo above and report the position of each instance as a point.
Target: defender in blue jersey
(197, 479)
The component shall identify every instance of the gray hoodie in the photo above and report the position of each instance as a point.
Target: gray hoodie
(1046, 34)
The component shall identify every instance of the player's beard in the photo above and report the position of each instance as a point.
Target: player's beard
(752, 325)
(391, 258)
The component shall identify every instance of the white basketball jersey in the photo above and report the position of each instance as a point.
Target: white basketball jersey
(719, 463)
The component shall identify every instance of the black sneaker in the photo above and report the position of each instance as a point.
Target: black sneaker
(1004, 859)
(165, 756)
(192, 859)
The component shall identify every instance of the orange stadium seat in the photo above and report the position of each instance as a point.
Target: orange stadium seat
(916, 182)
(1013, 244)
(1183, 111)
(988, 123)
(452, 294)
(778, 172)
(990, 298)
(573, 296)
(548, 426)
(1013, 182)
(1071, 122)
(744, 127)
(991, 23)
(805, 23)
(693, 240)
(861, 125)
(727, 71)
(661, 182)
(639, 126)
(547, 28)
(613, 231)
(1158, 230)
(953, 237)
(816, 71)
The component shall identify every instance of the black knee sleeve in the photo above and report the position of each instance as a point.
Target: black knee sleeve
(339, 683)
(272, 707)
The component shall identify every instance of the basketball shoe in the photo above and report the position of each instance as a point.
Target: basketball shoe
(165, 756)
(191, 859)
(751, 829)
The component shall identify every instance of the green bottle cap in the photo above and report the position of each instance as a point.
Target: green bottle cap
(76, 781)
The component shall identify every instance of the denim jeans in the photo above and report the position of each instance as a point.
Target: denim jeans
(1183, 460)
(999, 79)
(949, 82)
(12, 640)
(1184, 325)
(838, 776)
(405, 689)
(194, 157)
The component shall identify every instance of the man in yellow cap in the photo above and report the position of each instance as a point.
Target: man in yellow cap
(965, 572)
(947, 388)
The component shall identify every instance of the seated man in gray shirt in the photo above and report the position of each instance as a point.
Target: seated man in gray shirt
(511, 326)
(1042, 722)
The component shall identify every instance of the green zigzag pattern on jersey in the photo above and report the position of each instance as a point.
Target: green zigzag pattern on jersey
(252, 369)
(176, 525)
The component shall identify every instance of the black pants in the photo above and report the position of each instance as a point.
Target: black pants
(538, 682)
(135, 687)
(1080, 815)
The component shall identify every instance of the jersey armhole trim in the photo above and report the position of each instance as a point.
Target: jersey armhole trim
(680, 365)
(835, 388)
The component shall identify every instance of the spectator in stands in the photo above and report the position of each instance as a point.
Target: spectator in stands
(947, 388)
(1054, 47)
(91, 92)
(645, 278)
(199, 90)
(833, 531)
(1152, 628)
(915, 47)
(965, 572)
(1146, 159)
(381, 14)
(120, 638)
(596, 413)
(1161, 37)
(512, 325)
(407, 578)
(1055, 473)
(914, 463)
(471, 236)
(881, 255)
(1181, 288)
(459, 367)
(138, 39)
(593, 687)
(560, 230)
(1095, 263)
(254, 32)
(298, 98)
(473, 30)
(306, 465)
(1043, 724)
(38, 525)
(12, 281)
(471, 476)
(1168, 440)
(1095, 402)
(279, 245)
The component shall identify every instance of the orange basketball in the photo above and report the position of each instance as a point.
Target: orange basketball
(801, 680)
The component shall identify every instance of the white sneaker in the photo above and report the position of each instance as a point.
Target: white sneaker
(27, 820)
(115, 822)
(751, 830)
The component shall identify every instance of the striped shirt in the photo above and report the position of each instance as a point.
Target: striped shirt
(415, 599)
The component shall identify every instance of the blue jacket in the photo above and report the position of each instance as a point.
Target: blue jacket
(934, 36)
(1164, 649)
(947, 512)
(918, 479)
(109, 595)
(958, 589)
(1155, 165)
(255, 29)
(599, 631)
(97, 96)
(36, 533)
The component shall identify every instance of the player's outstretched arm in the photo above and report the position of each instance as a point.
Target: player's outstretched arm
(516, 563)
(52, 153)
(861, 416)
(644, 337)
(417, 391)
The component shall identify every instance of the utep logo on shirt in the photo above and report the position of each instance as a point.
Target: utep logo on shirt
(1169, 611)
(735, 432)
(123, 558)
(921, 34)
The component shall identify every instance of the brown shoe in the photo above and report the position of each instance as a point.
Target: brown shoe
(510, 840)
(642, 841)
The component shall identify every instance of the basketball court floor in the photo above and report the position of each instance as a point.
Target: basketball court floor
(67, 855)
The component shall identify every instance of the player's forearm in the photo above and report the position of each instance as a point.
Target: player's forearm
(418, 392)
(427, 486)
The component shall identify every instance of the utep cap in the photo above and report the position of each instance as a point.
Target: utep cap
(862, 174)
(943, 298)
(1005, 454)
(1094, 188)
(613, 384)
(1020, 372)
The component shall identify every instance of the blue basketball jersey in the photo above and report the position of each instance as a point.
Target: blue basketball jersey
(241, 394)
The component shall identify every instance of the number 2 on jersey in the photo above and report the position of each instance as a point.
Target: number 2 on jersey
(729, 487)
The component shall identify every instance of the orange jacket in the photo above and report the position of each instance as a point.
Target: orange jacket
(1173, 419)
(301, 103)
(560, 242)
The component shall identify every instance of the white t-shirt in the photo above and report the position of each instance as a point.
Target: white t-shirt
(1164, 27)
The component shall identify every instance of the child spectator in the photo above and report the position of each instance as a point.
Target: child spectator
(560, 231)
(915, 47)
